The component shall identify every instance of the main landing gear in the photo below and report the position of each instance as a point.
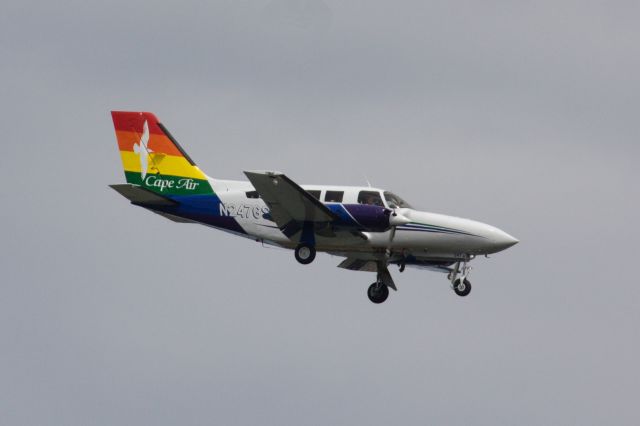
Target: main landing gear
(378, 292)
(461, 285)
(305, 253)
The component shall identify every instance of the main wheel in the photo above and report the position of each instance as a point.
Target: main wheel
(378, 294)
(305, 254)
(462, 288)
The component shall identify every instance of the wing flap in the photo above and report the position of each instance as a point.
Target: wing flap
(354, 264)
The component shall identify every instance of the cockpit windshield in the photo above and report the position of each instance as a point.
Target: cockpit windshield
(394, 201)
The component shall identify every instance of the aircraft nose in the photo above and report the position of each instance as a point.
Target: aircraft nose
(502, 240)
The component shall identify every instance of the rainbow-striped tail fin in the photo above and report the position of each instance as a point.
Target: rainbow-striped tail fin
(153, 159)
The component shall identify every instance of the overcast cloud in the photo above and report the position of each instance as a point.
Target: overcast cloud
(522, 115)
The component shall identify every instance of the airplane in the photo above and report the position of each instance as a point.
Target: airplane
(371, 228)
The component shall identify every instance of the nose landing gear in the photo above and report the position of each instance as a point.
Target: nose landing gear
(461, 285)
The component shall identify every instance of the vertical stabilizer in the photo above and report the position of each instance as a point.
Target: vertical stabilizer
(153, 159)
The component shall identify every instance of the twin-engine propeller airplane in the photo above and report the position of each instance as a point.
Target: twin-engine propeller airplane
(372, 228)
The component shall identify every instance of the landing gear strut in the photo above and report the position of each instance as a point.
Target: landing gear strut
(305, 253)
(461, 285)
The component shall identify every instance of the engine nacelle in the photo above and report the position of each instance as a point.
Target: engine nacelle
(362, 217)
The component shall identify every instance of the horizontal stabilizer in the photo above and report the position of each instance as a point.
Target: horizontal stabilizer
(142, 196)
(174, 218)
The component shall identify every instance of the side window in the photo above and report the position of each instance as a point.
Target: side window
(372, 198)
(253, 194)
(333, 196)
(314, 194)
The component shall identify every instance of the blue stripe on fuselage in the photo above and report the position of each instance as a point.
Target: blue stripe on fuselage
(421, 227)
(202, 208)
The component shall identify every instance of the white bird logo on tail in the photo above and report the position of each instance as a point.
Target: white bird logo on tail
(142, 150)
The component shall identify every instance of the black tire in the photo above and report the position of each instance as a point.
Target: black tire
(378, 295)
(305, 254)
(462, 288)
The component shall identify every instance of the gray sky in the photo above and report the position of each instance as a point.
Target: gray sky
(520, 115)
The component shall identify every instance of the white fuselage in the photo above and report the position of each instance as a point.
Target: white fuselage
(424, 235)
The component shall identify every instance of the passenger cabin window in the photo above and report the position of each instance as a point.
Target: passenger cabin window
(333, 196)
(253, 194)
(371, 198)
(315, 194)
(394, 201)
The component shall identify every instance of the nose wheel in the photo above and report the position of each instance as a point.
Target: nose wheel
(461, 285)
(305, 254)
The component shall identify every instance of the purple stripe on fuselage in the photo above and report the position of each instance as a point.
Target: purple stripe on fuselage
(363, 217)
(202, 208)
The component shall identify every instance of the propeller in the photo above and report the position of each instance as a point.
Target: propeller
(396, 218)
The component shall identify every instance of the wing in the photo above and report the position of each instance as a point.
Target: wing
(355, 264)
(367, 265)
(370, 264)
(290, 205)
